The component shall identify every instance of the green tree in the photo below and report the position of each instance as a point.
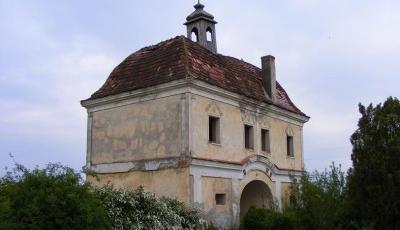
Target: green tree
(51, 198)
(374, 179)
(319, 200)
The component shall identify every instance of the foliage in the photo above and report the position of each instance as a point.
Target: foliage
(49, 198)
(374, 180)
(142, 210)
(266, 219)
(319, 200)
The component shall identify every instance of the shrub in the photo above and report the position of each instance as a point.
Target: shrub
(142, 210)
(266, 219)
(320, 200)
(50, 198)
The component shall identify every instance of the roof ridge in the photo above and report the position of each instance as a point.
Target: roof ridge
(159, 44)
(186, 60)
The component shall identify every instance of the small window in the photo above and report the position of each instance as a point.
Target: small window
(265, 142)
(289, 143)
(248, 137)
(220, 199)
(213, 130)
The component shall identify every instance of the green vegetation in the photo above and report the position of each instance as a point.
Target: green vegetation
(374, 180)
(367, 198)
(50, 198)
(138, 210)
(56, 198)
(320, 201)
(268, 219)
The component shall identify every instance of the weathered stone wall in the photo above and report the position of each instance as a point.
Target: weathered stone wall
(144, 130)
(232, 121)
(172, 183)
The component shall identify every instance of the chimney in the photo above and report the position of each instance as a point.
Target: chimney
(268, 75)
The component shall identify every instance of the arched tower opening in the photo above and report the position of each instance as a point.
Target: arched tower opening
(194, 35)
(204, 23)
(209, 34)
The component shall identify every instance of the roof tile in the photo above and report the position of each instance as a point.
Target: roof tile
(180, 58)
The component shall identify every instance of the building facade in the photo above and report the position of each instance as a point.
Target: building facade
(186, 122)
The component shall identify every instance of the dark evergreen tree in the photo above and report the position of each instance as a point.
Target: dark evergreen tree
(374, 179)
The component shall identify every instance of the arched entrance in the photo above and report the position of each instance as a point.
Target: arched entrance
(257, 194)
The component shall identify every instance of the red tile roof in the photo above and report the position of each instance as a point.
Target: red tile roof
(180, 58)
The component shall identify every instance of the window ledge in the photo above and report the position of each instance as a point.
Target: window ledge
(214, 143)
(290, 157)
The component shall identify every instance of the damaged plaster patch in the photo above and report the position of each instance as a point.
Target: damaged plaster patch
(145, 165)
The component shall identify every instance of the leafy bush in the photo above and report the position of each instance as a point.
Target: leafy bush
(142, 210)
(49, 198)
(266, 219)
(320, 200)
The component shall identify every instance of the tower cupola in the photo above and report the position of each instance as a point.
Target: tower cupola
(201, 28)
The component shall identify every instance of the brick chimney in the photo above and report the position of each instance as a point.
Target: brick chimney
(268, 75)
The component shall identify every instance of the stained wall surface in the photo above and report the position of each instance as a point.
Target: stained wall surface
(172, 183)
(144, 130)
(232, 121)
(211, 186)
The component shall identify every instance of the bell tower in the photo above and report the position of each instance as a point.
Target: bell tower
(201, 28)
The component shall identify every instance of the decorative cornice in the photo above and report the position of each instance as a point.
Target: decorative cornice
(190, 86)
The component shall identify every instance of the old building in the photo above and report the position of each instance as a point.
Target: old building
(187, 122)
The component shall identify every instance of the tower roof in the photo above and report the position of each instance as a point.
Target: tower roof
(181, 58)
(199, 13)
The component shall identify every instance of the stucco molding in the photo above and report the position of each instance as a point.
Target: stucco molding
(237, 172)
(250, 104)
(213, 109)
(248, 117)
(289, 131)
(198, 88)
(255, 162)
(140, 95)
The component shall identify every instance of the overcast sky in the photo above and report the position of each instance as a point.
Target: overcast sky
(330, 55)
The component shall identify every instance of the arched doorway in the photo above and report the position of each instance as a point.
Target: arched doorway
(257, 194)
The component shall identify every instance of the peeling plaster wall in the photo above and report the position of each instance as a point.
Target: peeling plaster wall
(232, 121)
(172, 183)
(220, 214)
(144, 130)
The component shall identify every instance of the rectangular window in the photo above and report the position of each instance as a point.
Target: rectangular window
(289, 143)
(220, 199)
(248, 137)
(265, 142)
(213, 130)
